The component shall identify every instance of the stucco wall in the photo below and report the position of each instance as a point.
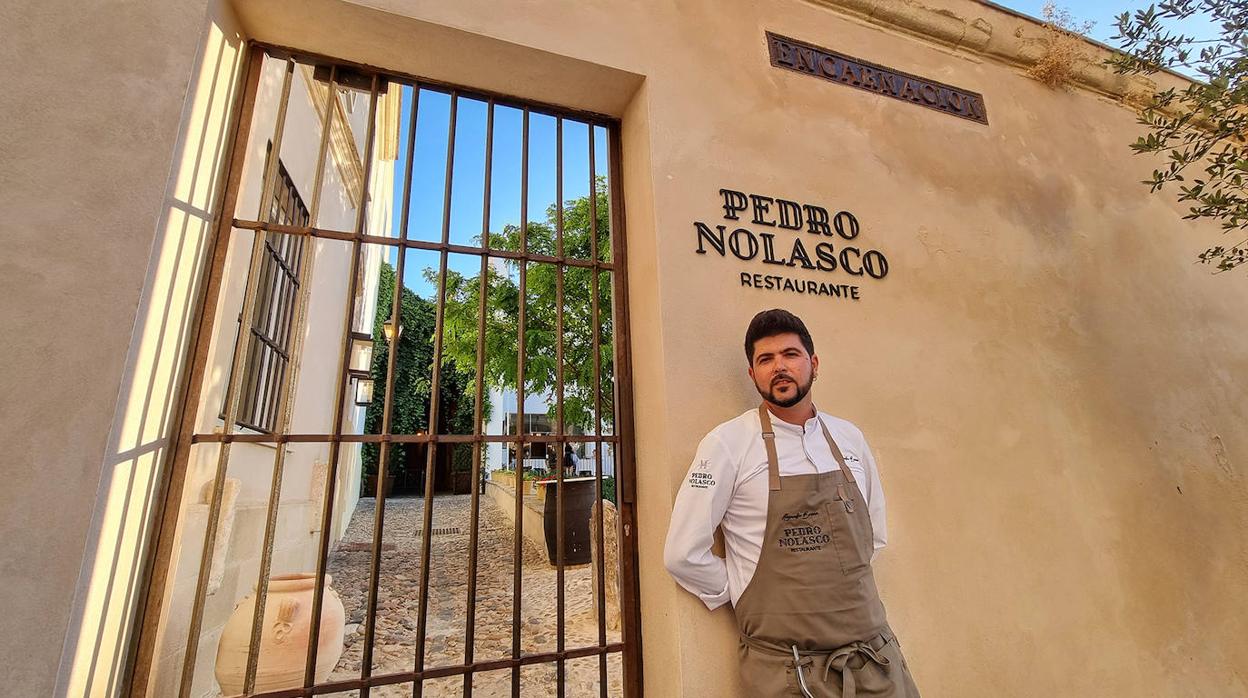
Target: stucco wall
(95, 95)
(1047, 380)
(1040, 373)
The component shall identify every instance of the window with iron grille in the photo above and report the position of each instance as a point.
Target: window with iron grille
(268, 356)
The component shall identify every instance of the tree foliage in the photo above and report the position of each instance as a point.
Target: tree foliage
(1201, 130)
(540, 318)
(413, 369)
(413, 373)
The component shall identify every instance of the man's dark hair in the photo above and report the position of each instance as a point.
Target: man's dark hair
(770, 323)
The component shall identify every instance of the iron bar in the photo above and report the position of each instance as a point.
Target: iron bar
(433, 85)
(231, 400)
(154, 574)
(286, 407)
(279, 255)
(518, 550)
(383, 456)
(429, 245)
(561, 494)
(599, 566)
(625, 456)
(250, 365)
(344, 363)
(478, 408)
(270, 529)
(274, 335)
(271, 344)
(443, 671)
(392, 438)
(435, 393)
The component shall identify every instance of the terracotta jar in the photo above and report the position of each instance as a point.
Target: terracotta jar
(283, 643)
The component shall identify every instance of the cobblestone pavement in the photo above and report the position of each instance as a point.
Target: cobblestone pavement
(399, 601)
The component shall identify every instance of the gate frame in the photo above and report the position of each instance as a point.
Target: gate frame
(171, 480)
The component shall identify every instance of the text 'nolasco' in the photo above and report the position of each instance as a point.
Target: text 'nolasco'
(813, 240)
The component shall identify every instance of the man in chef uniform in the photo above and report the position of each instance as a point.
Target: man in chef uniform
(798, 498)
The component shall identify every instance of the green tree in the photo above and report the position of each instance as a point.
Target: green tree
(1202, 128)
(540, 331)
(413, 373)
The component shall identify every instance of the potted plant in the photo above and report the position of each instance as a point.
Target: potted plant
(368, 467)
(369, 488)
(461, 470)
(543, 486)
(505, 477)
(530, 480)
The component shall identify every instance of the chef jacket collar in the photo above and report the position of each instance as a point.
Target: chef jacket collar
(780, 424)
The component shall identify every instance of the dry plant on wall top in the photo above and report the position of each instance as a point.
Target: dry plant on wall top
(1064, 47)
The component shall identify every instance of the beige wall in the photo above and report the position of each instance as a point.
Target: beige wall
(93, 121)
(1045, 377)
(1040, 371)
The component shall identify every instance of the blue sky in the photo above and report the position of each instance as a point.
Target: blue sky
(1099, 11)
(425, 217)
(1103, 13)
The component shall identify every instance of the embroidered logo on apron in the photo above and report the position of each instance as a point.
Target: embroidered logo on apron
(804, 532)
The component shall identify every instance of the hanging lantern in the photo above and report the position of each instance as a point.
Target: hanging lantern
(361, 353)
(393, 330)
(363, 392)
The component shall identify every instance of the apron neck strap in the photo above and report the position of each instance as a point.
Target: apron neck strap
(773, 461)
(769, 440)
(836, 452)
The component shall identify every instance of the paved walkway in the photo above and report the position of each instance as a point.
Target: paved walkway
(399, 595)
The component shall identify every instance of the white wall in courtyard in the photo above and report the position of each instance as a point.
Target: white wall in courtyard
(306, 465)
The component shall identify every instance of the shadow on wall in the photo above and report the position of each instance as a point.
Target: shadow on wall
(109, 589)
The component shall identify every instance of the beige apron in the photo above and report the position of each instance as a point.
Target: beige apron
(811, 620)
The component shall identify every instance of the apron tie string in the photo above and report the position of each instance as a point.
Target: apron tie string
(839, 660)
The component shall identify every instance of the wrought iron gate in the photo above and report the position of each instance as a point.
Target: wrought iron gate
(384, 305)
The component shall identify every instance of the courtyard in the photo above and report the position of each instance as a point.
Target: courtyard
(399, 599)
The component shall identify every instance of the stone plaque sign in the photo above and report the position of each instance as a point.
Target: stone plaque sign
(802, 57)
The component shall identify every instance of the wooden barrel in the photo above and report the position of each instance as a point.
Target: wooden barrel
(578, 504)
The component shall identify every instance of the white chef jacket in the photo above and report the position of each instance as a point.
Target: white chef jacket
(727, 487)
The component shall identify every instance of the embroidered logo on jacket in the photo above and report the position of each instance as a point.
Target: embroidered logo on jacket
(701, 478)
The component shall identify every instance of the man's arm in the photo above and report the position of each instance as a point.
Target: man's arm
(700, 505)
(875, 500)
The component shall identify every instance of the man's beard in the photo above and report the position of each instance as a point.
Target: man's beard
(798, 395)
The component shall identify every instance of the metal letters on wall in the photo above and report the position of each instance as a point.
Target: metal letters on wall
(825, 248)
(807, 58)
